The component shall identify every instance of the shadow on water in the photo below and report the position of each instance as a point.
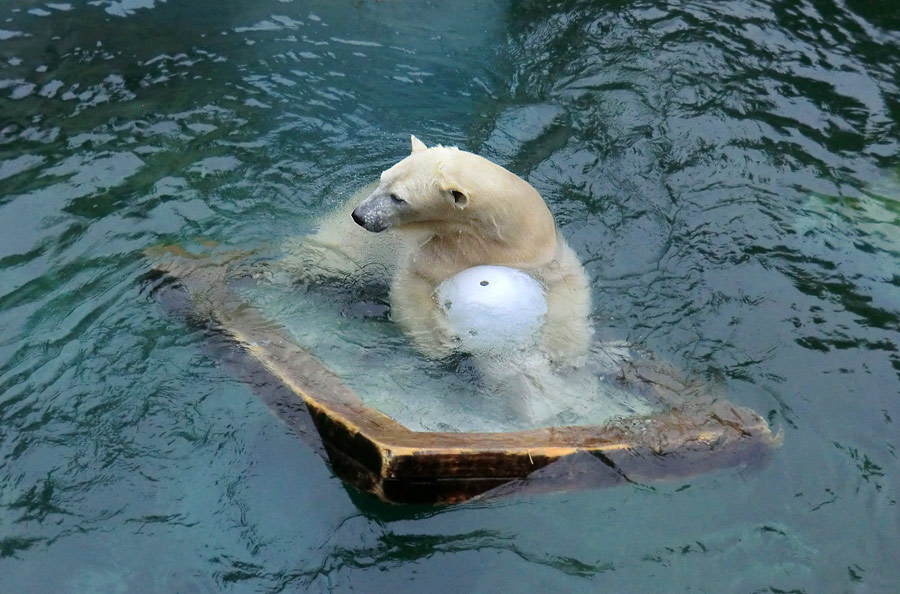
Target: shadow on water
(725, 170)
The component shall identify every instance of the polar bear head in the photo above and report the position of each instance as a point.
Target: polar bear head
(455, 194)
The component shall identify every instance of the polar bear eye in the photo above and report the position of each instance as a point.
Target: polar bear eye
(397, 199)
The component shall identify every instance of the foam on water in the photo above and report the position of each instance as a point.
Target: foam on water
(725, 170)
(508, 391)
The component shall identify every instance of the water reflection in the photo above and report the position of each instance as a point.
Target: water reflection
(723, 168)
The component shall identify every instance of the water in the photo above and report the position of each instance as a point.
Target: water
(727, 172)
(359, 342)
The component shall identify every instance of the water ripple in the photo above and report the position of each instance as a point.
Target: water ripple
(727, 170)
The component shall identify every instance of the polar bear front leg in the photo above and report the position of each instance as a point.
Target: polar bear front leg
(340, 248)
(414, 308)
(567, 330)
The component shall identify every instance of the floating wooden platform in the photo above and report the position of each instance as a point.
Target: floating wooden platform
(378, 455)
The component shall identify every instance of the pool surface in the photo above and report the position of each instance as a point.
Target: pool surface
(728, 173)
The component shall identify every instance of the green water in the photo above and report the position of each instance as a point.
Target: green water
(727, 172)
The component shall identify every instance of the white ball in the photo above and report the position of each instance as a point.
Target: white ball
(493, 308)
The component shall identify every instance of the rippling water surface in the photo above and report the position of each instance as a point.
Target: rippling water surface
(727, 171)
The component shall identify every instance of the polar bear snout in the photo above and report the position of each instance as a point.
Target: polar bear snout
(375, 213)
(357, 218)
(369, 220)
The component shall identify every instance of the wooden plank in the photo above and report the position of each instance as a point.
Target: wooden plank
(375, 453)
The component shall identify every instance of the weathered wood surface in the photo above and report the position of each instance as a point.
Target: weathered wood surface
(379, 455)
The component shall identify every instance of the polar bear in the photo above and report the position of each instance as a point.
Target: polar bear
(461, 210)
(442, 210)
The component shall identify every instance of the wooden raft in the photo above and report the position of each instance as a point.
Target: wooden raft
(378, 455)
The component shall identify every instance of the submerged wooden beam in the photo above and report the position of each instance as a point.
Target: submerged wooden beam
(377, 454)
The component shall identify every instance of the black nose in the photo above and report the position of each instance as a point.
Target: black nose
(358, 219)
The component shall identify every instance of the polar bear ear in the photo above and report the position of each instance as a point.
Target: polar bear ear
(417, 145)
(457, 195)
(460, 198)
